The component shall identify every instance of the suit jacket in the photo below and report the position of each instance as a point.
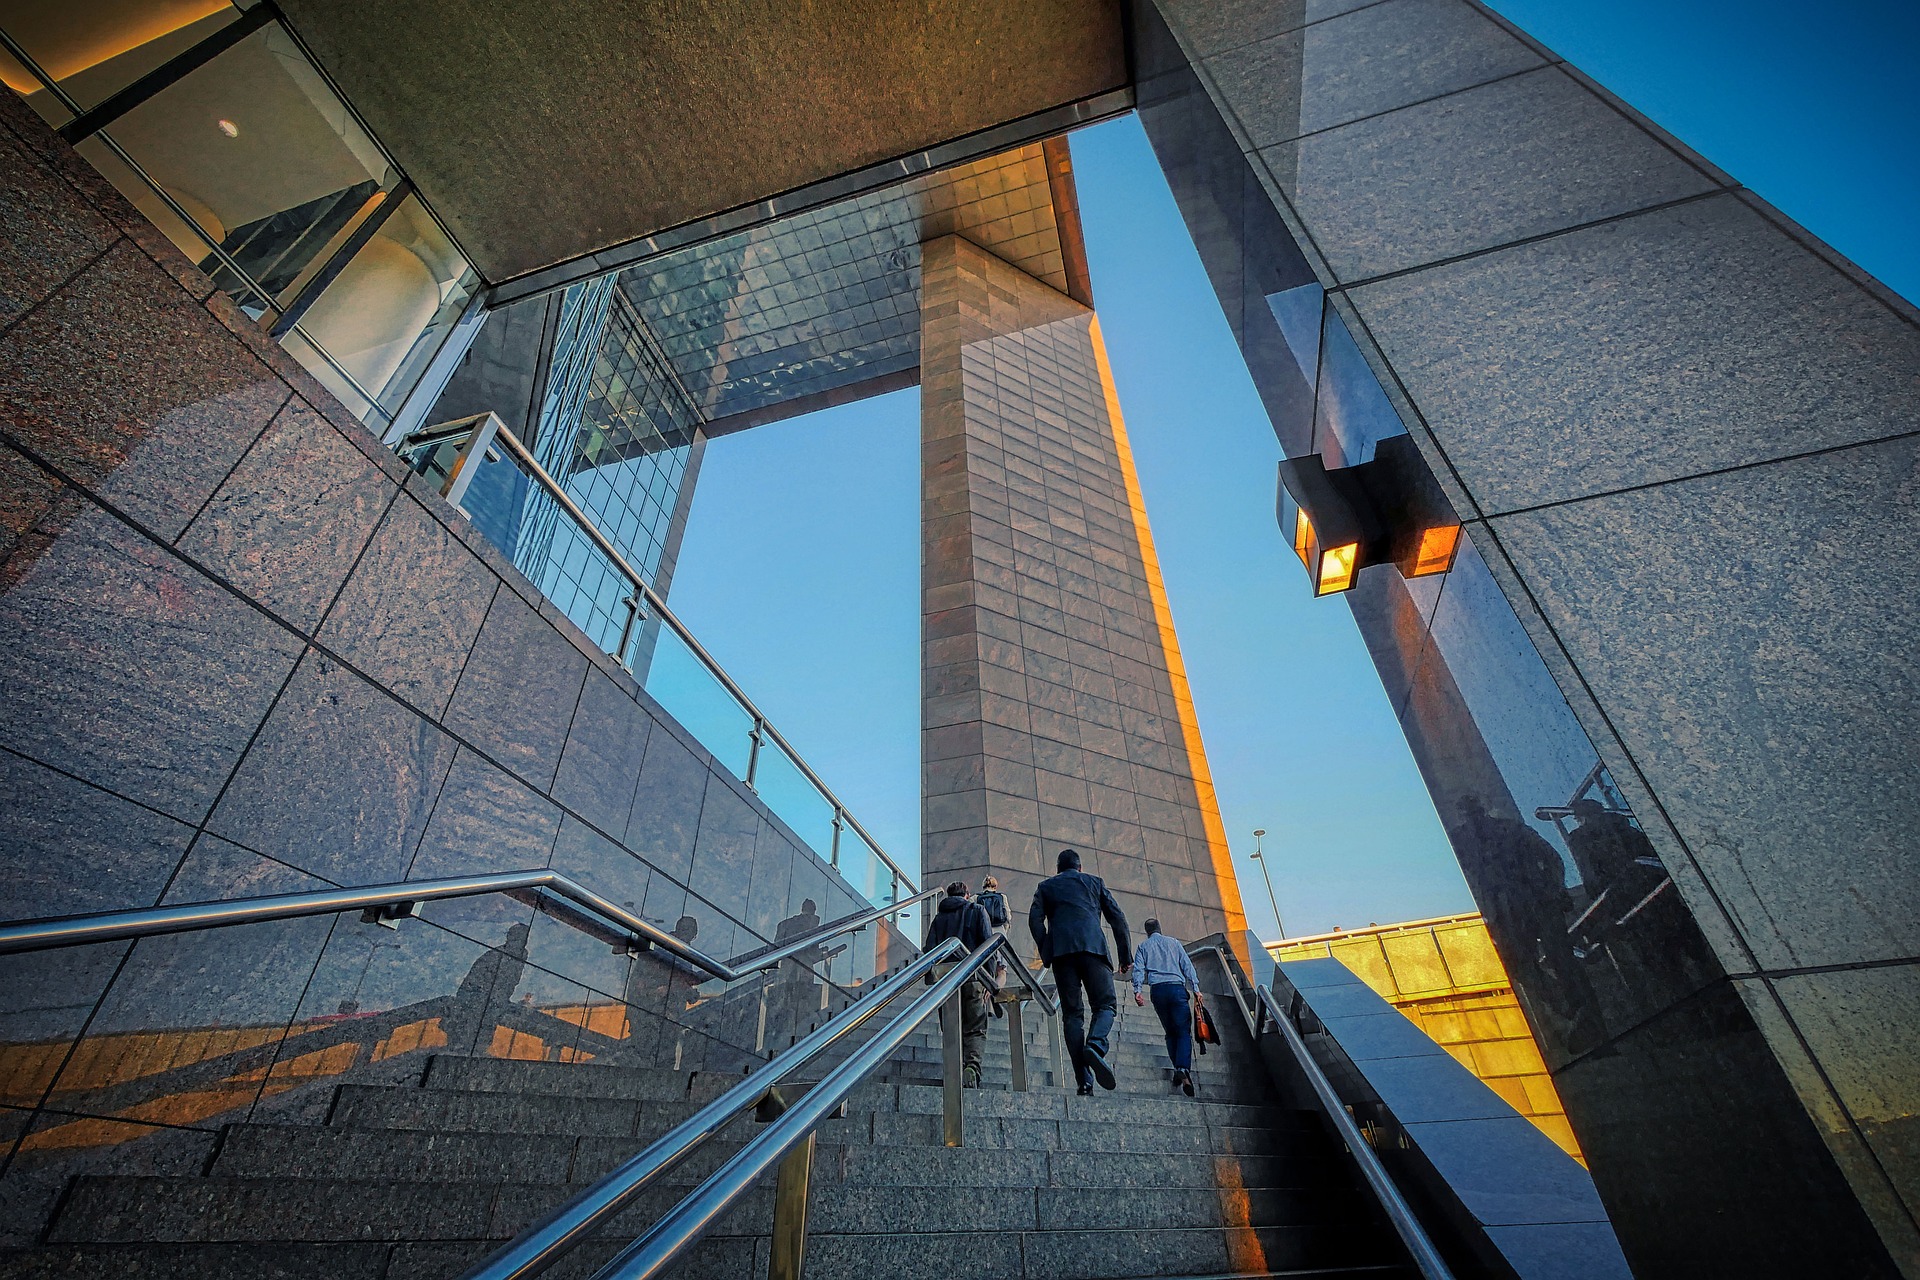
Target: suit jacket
(1065, 918)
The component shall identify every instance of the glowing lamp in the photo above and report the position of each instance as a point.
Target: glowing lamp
(1387, 510)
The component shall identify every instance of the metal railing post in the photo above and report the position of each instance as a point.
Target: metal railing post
(1016, 1028)
(952, 1102)
(787, 1257)
(634, 615)
(755, 739)
(839, 825)
(472, 454)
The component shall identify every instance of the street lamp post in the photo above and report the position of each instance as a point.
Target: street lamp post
(1259, 856)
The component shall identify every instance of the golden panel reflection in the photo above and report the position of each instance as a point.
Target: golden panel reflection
(1445, 976)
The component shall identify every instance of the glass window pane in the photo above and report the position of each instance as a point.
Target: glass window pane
(262, 155)
(385, 315)
(94, 48)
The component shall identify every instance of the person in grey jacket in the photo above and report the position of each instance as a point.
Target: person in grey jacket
(1162, 969)
(1065, 923)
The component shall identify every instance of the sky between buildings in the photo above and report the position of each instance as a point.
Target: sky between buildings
(801, 564)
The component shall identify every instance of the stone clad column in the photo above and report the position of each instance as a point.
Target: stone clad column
(1055, 708)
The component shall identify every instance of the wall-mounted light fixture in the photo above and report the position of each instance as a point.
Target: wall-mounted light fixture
(1386, 511)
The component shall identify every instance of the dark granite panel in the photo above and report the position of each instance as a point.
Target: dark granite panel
(1752, 347)
(601, 865)
(1575, 890)
(341, 780)
(519, 691)
(723, 853)
(485, 820)
(45, 1000)
(1761, 682)
(1863, 1028)
(189, 1025)
(1561, 1250)
(124, 667)
(1361, 64)
(1213, 26)
(128, 386)
(67, 847)
(1524, 157)
(46, 235)
(600, 765)
(411, 610)
(774, 858)
(379, 1002)
(27, 495)
(666, 805)
(287, 525)
(1705, 1157)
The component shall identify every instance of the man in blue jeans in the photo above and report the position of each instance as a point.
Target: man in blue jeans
(1161, 966)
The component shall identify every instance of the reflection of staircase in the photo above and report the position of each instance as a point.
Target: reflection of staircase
(420, 1180)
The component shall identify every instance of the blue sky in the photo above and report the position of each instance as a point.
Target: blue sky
(800, 569)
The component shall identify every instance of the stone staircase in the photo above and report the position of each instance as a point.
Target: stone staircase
(419, 1181)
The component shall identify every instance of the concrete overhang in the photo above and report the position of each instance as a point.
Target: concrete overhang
(550, 132)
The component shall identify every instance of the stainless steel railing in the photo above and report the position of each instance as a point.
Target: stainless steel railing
(1264, 1012)
(393, 902)
(786, 1141)
(475, 435)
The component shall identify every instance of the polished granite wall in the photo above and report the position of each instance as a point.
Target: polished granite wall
(1681, 434)
(1056, 710)
(244, 651)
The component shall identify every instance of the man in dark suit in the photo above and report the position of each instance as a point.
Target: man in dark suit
(1065, 922)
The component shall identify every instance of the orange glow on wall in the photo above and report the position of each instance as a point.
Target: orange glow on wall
(1434, 554)
(1303, 537)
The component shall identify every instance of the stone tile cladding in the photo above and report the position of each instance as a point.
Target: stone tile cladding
(1056, 709)
(1682, 433)
(243, 652)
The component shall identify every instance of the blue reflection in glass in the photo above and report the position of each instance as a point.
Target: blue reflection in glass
(1353, 413)
(1297, 312)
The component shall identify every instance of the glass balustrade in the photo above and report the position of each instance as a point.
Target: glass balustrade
(493, 478)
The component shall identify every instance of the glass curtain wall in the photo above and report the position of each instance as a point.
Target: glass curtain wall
(257, 171)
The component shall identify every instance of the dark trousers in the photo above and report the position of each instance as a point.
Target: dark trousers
(1082, 979)
(976, 1006)
(1176, 1019)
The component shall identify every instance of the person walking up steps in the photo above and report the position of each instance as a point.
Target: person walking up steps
(1161, 966)
(961, 917)
(1065, 923)
(994, 903)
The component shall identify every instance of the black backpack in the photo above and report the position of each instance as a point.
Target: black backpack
(995, 904)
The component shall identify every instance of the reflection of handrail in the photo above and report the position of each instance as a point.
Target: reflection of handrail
(479, 427)
(683, 1225)
(1267, 1011)
(397, 901)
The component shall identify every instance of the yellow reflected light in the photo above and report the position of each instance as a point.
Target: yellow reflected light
(1434, 554)
(1303, 537)
(1337, 568)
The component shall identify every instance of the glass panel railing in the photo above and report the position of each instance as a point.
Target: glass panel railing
(690, 693)
(784, 788)
(491, 476)
(92, 49)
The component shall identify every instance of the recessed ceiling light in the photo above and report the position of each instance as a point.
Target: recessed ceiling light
(229, 128)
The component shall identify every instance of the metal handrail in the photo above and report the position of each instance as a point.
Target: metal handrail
(645, 594)
(683, 1225)
(551, 1238)
(1399, 1213)
(399, 900)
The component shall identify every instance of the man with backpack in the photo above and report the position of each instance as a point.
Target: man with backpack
(960, 917)
(1065, 922)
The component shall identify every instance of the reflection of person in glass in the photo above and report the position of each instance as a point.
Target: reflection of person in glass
(1522, 890)
(485, 992)
(1613, 855)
